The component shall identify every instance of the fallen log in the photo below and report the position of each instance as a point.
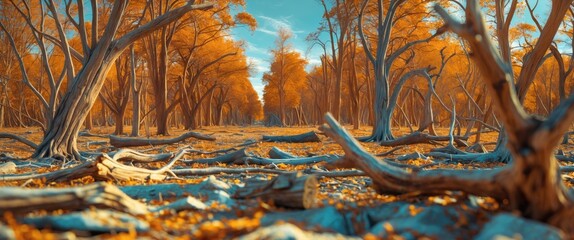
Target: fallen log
(276, 153)
(120, 142)
(226, 158)
(19, 139)
(100, 195)
(286, 190)
(136, 156)
(94, 221)
(301, 138)
(420, 137)
(288, 161)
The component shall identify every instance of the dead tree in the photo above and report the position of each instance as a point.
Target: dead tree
(97, 57)
(530, 185)
(383, 62)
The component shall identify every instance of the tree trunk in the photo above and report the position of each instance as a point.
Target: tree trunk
(89, 123)
(60, 138)
(136, 96)
(119, 118)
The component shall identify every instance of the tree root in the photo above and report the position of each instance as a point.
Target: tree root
(19, 139)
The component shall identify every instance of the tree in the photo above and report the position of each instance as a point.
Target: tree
(97, 57)
(383, 61)
(531, 184)
(285, 79)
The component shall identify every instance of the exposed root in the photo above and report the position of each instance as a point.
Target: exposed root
(19, 139)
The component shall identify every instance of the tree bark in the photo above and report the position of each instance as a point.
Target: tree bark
(61, 135)
(286, 190)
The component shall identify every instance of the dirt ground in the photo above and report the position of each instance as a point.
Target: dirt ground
(346, 194)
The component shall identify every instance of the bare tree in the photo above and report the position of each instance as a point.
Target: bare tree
(531, 184)
(383, 62)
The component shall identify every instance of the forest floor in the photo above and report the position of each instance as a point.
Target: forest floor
(345, 207)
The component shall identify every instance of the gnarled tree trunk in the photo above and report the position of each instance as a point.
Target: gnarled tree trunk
(60, 138)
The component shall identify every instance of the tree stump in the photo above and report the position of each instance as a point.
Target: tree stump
(293, 190)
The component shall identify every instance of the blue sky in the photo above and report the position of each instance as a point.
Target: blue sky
(300, 16)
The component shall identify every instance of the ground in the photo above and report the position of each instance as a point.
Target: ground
(345, 206)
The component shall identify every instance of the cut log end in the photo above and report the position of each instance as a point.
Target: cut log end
(287, 190)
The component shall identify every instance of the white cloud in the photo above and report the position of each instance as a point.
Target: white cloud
(259, 66)
(272, 25)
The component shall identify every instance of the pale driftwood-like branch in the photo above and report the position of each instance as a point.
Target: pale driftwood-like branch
(393, 180)
(301, 138)
(287, 190)
(9, 167)
(135, 156)
(19, 139)
(100, 195)
(120, 142)
(103, 168)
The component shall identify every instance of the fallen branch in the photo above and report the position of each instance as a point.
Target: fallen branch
(103, 168)
(227, 158)
(288, 161)
(136, 156)
(8, 167)
(100, 195)
(120, 142)
(392, 180)
(420, 137)
(276, 153)
(301, 138)
(390, 151)
(19, 139)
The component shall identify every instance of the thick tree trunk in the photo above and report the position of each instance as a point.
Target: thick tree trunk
(60, 139)
(119, 118)
(161, 113)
